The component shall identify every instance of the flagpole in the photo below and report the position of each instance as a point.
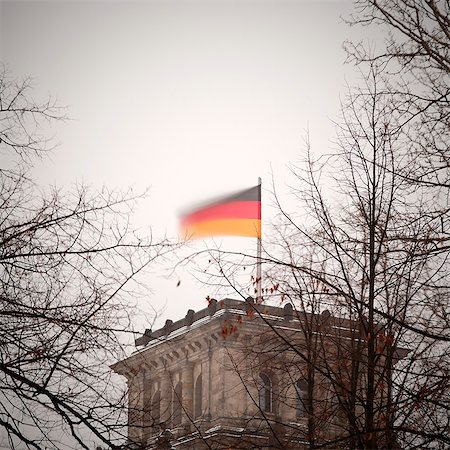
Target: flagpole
(258, 255)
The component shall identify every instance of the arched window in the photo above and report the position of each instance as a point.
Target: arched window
(177, 405)
(156, 408)
(198, 397)
(265, 392)
(303, 403)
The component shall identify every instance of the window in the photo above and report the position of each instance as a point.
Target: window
(198, 397)
(177, 404)
(265, 393)
(303, 404)
(156, 408)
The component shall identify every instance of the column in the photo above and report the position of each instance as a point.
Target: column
(187, 379)
(136, 407)
(166, 399)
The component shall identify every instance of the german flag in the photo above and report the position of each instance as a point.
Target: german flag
(234, 215)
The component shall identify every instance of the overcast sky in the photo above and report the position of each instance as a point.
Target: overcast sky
(193, 99)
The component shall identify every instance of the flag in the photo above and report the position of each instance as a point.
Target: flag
(234, 215)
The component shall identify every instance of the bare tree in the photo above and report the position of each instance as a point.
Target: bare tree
(68, 261)
(375, 247)
(361, 244)
(365, 247)
(415, 62)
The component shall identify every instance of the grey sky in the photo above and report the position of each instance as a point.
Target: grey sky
(194, 99)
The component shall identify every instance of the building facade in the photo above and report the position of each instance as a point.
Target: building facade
(241, 375)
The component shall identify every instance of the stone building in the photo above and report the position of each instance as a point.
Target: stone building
(241, 375)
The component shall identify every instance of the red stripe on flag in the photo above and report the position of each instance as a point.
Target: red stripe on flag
(231, 210)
